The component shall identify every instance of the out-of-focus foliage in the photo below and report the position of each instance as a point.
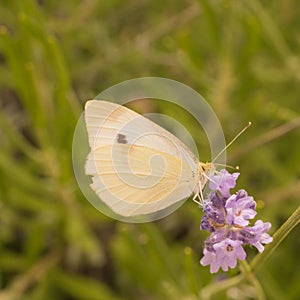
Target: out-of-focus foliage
(242, 56)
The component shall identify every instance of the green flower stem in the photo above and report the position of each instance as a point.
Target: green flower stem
(278, 237)
(219, 286)
(246, 271)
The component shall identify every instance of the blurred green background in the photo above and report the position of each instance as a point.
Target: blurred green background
(242, 56)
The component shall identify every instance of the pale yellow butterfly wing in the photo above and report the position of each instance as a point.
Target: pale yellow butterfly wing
(106, 120)
(137, 167)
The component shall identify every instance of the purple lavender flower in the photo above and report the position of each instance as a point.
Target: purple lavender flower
(214, 213)
(210, 258)
(228, 251)
(223, 182)
(216, 237)
(227, 218)
(240, 208)
(223, 255)
(257, 235)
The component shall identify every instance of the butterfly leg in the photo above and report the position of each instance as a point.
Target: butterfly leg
(196, 201)
(199, 195)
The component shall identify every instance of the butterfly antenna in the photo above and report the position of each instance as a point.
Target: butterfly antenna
(228, 166)
(246, 127)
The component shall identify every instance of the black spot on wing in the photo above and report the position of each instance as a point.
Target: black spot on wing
(121, 138)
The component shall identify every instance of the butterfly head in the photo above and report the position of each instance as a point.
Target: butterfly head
(204, 172)
(206, 168)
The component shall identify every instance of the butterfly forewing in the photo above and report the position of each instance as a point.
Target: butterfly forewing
(109, 122)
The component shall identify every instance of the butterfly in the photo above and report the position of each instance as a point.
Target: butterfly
(138, 167)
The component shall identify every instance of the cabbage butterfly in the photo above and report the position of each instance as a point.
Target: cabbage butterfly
(138, 167)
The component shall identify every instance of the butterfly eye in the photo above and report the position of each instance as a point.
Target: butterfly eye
(203, 167)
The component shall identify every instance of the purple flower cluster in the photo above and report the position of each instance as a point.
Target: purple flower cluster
(227, 217)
